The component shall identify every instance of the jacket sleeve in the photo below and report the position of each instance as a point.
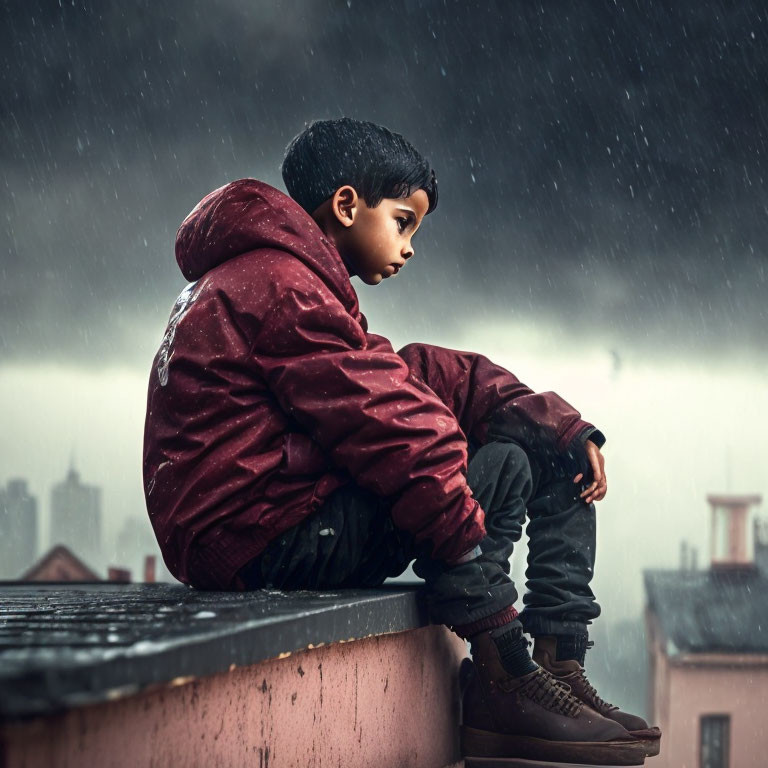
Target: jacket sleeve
(393, 435)
(490, 402)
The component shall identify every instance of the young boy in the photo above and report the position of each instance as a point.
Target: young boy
(287, 446)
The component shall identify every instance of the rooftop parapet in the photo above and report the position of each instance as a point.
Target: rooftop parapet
(136, 675)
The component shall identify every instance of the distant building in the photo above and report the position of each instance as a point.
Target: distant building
(18, 529)
(59, 564)
(76, 517)
(708, 647)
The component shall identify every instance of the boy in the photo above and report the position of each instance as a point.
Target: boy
(286, 446)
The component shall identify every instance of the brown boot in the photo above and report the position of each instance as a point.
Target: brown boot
(535, 717)
(571, 672)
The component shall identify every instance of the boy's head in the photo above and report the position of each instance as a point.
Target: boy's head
(366, 187)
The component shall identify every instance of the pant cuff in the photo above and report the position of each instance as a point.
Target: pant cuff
(493, 621)
(536, 625)
(457, 611)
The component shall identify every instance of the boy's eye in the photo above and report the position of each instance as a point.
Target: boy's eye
(402, 223)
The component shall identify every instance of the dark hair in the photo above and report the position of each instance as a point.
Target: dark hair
(377, 162)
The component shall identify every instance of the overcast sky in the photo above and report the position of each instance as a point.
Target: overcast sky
(602, 210)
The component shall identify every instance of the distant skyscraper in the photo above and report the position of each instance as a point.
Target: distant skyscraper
(76, 518)
(18, 529)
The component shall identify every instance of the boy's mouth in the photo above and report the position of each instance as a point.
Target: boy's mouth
(391, 269)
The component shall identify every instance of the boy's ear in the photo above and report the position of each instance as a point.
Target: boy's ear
(344, 205)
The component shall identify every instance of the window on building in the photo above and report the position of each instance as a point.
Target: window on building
(715, 741)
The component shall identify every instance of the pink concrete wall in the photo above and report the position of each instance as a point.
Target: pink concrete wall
(728, 685)
(389, 700)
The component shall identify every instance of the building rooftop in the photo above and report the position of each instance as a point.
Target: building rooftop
(62, 646)
(714, 611)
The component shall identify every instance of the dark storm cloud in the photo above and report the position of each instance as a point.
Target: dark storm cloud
(600, 165)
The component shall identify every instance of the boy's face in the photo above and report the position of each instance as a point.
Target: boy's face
(374, 242)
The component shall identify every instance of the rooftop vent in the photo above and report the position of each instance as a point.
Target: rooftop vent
(733, 544)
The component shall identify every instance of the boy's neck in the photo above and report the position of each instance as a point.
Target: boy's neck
(320, 217)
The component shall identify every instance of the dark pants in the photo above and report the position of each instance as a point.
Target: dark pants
(350, 541)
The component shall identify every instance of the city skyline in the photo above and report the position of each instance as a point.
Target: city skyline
(24, 541)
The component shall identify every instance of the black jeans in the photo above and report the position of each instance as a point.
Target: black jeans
(350, 541)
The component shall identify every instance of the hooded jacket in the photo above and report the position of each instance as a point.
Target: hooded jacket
(268, 392)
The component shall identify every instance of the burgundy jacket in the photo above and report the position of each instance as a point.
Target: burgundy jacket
(268, 393)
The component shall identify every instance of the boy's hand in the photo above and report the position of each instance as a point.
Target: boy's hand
(597, 490)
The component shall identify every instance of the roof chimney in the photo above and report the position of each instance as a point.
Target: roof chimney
(732, 535)
(149, 569)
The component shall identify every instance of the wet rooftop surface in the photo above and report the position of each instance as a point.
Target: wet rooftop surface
(711, 611)
(63, 646)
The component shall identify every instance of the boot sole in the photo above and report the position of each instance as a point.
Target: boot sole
(650, 738)
(488, 744)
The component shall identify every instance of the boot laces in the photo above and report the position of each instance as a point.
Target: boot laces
(551, 694)
(598, 703)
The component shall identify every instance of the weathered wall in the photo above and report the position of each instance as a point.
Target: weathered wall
(735, 687)
(388, 700)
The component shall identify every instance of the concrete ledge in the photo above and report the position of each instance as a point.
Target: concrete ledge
(68, 646)
(389, 700)
(161, 675)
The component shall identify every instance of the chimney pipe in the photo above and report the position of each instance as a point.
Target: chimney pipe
(149, 569)
(731, 530)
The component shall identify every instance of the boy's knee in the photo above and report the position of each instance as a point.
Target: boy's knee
(415, 348)
(508, 458)
(413, 355)
(419, 358)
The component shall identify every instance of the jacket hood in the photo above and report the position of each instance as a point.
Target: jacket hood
(246, 215)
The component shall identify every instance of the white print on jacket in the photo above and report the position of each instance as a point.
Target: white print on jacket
(182, 304)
